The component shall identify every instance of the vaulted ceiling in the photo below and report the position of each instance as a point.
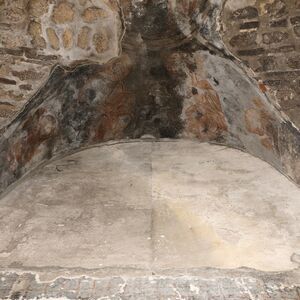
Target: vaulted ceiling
(76, 73)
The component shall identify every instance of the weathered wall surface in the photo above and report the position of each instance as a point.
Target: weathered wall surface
(172, 78)
(37, 34)
(265, 36)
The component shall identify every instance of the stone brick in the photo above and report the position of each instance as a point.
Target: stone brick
(26, 87)
(279, 23)
(35, 31)
(53, 38)
(248, 12)
(295, 20)
(56, 289)
(294, 62)
(92, 14)
(20, 287)
(84, 37)
(67, 38)
(6, 110)
(245, 39)
(6, 283)
(267, 63)
(249, 25)
(15, 52)
(297, 31)
(63, 13)
(100, 41)
(36, 290)
(107, 286)
(71, 288)
(27, 75)
(38, 7)
(12, 15)
(287, 99)
(82, 2)
(284, 49)
(251, 52)
(275, 8)
(274, 37)
(86, 288)
(7, 81)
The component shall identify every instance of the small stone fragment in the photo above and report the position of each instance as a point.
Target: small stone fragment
(82, 2)
(35, 30)
(38, 7)
(274, 37)
(12, 15)
(6, 110)
(63, 13)
(26, 87)
(297, 30)
(294, 62)
(53, 38)
(275, 8)
(83, 37)
(248, 12)
(244, 40)
(92, 14)
(100, 42)
(68, 39)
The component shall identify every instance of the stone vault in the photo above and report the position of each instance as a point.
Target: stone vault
(77, 73)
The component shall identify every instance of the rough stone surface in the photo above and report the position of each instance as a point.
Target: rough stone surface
(36, 34)
(100, 41)
(214, 285)
(92, 14)
(68, 38)
(221, 71)
(52, 38)
(206, 220)
(63, 13)
(265, 36)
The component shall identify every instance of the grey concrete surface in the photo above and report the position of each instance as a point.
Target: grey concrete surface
(168, 208)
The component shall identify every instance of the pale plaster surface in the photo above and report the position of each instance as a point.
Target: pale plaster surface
(152, 206)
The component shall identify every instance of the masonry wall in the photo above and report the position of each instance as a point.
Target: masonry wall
(91, 72)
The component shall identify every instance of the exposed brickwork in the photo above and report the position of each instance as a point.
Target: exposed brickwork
(230, 286)
(265, 35)
(37, 34)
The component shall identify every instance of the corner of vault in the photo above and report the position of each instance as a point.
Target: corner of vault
(261, 54)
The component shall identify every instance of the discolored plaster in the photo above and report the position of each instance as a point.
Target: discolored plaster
(166, 84)
(217, 71)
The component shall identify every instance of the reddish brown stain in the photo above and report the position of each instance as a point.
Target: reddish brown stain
(36, 130)
(263, 87)
(259, 122)
(205, 118)
(254, 122)
(115, 115)
(267, 143)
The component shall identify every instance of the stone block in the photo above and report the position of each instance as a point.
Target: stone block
(92, 14)
(245, 39)
(274, 37)
(63, 13)
(7, 280)
(53, 38)
(248, 12)
(37, 8)
(67, 38)
(84, 37)
(35, 31)
(297, 30)
(100, 41)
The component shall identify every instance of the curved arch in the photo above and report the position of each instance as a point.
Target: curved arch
(187, 90)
